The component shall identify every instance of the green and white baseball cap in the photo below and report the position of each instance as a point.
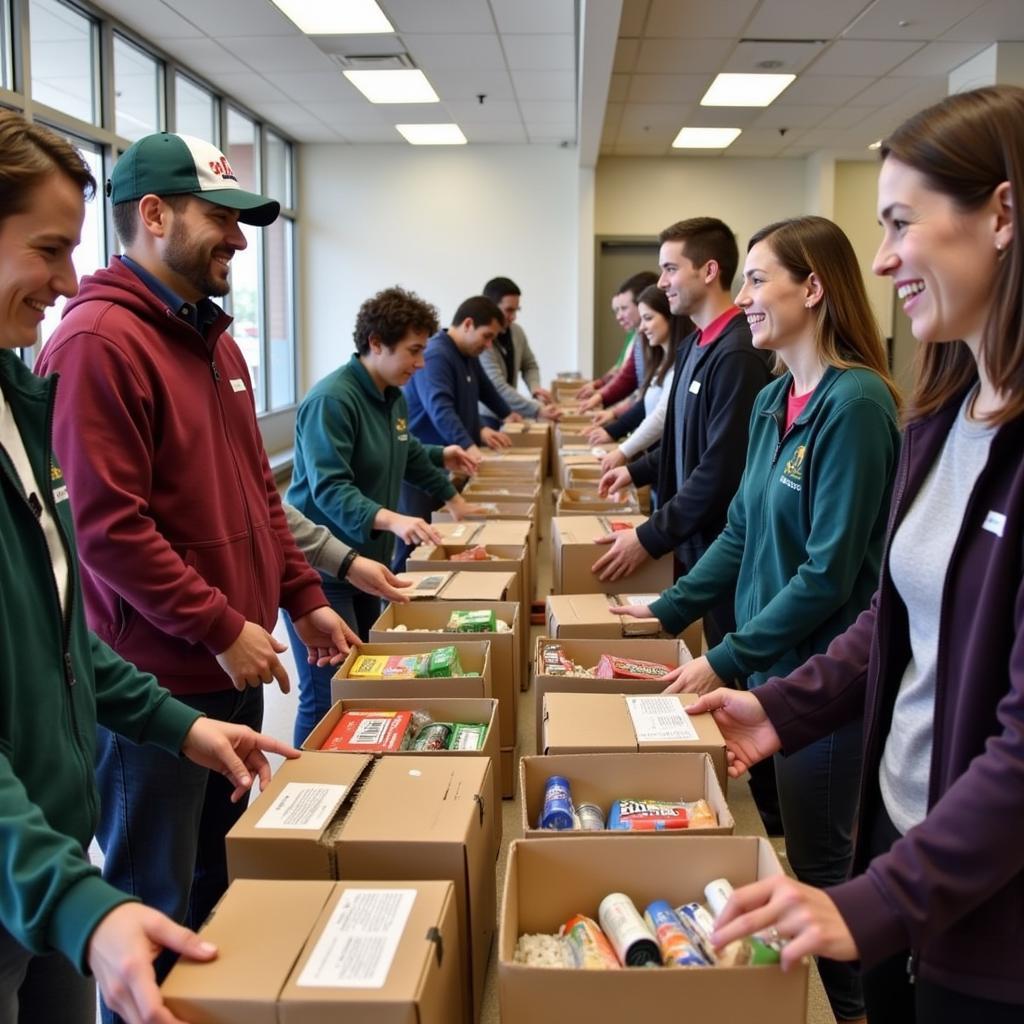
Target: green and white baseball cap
(172, 165)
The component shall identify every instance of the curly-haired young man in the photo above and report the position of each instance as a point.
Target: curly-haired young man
(353, 449)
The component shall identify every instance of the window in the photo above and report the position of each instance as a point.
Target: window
(195, 112)
(136, 91)
(279, 170)
(63, 48)
(6, 63)
(279, 261)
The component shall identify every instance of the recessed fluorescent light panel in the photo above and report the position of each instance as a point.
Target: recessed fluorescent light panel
(432, 134)
(705, 138)
(745, 90)
(336, 18)
(393, 86)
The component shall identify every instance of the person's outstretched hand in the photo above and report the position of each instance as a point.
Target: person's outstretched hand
(749, 735)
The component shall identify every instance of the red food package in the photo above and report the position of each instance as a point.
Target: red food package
(476, 554)
(612, 667)
(617, 525)
(369, 731)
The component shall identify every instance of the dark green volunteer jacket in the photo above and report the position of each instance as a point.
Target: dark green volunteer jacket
(56, 681)
(353, 448)
(804, 538)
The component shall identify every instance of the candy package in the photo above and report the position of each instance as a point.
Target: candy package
(444, 661)
(389, 666)
(478, 621)
(612, 667)
(659, 815)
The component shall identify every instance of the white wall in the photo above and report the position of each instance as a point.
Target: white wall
(441, 222)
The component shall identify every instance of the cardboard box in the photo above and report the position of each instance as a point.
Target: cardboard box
(475, 656)
(547, 882)
(509, 768)
(488, 532)
(506, 648)
(604, 778)
(447, 585)
(414, 816)
(585, 723)
(583, 616)
(587, 653)
(494, 509)
(574, 549)
(573, 501)
(520, 463)
(531, 435)
(496, 488)
(583, 474)
(270, 934)
(440, 709)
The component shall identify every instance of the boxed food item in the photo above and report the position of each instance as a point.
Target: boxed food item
(570, 666)
(580, 723)
(412, 817)
(481, 713)
(551, 883)
(606, 781)
(370, 731)
(574, 550)
(367, 951)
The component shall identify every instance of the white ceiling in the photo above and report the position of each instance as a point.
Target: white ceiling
(862, 66)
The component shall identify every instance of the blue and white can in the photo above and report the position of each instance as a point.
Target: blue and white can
(558, 808)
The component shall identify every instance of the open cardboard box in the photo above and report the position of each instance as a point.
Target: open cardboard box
(506, 648)
(587, 653)
(521, 463)
(491, 532)
(584, 723)
(440, 709)
(574, 549)
(278, 958)
(496, 488)
(604, 778)
(494, 509)
(576, 501)
(547, 882)
(416, 816)
(531, 435)
(475, 656)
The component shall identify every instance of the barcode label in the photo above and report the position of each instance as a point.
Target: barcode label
(370, 730)
(660, 718)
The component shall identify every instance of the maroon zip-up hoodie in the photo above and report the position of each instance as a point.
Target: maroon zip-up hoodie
(180, 529)
(952, 889)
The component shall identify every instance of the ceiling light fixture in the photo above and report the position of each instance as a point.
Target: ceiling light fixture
(728, 90)
(705, 138)
(338, 18)
(393, 86)
(432, 134)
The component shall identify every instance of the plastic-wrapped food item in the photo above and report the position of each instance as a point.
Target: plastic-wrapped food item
(696, 919)
(588, 946)
(435, 736)
(618, 526)
(611, 666)
(473, 554)
(444, 661)
(761, 951)
(389, 666)
(554, 661)
(659, 815)
(540, 950)
(370, 731)
(632, 940)
(467, 736)
(477, 621)
(677, 950)
(501, 626)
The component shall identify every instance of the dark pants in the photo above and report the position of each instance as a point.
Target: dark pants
(360, 611)
(412, 502)
(818, 788)
(163, 819)
(890, 997)
(38, 989)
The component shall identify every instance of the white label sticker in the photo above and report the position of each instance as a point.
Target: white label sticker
(694, 386)
(638, 599)
(995, 522)
(307, 805)
(237, 384)
(657, 718)
(358, 944)
(60, 494)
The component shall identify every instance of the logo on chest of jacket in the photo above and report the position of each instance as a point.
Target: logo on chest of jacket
(401, 428)
(793, 471)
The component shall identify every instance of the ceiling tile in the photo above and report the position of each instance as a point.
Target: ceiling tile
(546, 113)
(634, 14)
(153, 18)
(797, 19)
(780, 115)
(825, 138)
(830, 89)
(885, 90)
(371, 134)
(998, 19)
(472, 112)
(290, 116)
(453, 16)
(612, 120)
(689, 56)
(862, 57)
(467, 53)
(618, 88)
(467, 85)
(625, 55)
(338, 113)
(224, 17)
(667, 88)
(316, 85)
(318, 133)
(501, 133)
(938, 59)
(248, 87)
(845, 117)
(539, 53)
(200, 54)
(544, 85)
(641, 149)
(553, 132)
(722, 20)
(534, 15)
(748, 57)
(276, 53)
(925, 19)
(377, 45)
(722, 117)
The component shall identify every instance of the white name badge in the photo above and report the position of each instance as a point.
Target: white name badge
(60, 494)
(237, 384)
(694, 386)
(995, 522)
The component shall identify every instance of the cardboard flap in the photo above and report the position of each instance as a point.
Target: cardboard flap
(476, 586)
(426, 584)
(593, 721)
(459, 533)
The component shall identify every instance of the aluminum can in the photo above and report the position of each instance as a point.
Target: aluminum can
(558, 809)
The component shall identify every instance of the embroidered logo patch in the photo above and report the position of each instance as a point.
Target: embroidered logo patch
(995, 522)
(794, 468)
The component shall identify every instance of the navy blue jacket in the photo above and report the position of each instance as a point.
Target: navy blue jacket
(443, 397)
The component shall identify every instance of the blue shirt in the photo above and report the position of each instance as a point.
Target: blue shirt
(443, 397)
(199, 315)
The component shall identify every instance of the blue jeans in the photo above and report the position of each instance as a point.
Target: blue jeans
(360, 611)
(163, 819)
(36, 989)
(818, 788)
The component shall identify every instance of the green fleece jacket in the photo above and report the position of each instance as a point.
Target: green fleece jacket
(57, 680)
(353, 449)
(804, 538)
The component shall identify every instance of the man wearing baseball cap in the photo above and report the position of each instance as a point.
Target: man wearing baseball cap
(186, 554)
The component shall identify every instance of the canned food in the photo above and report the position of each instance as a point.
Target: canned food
(591, 818)
(630, 937)
(558, 809)
(676, 948)
(433, 737)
